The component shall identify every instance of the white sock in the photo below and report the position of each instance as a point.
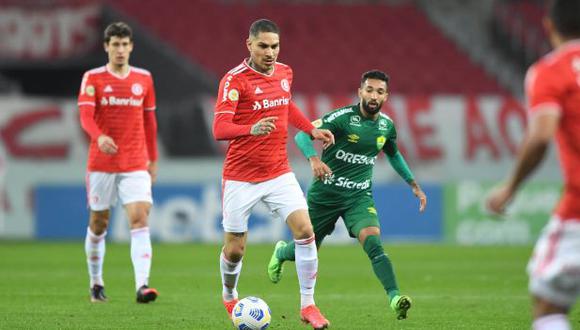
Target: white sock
(95, 251)
(552, 322)
(141, 254)
(307, 269)
(230, 272)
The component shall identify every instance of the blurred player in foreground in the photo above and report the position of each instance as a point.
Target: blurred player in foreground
(116, 104)
(553, 92)
(342, 184)
(252, 111)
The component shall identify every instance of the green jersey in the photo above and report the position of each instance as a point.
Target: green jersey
(358, 141)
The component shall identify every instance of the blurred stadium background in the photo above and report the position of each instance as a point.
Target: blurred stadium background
(456, 96)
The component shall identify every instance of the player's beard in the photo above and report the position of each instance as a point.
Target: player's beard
(370, 110)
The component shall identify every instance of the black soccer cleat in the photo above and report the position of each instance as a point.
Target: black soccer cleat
(146, 294)
(98, 294)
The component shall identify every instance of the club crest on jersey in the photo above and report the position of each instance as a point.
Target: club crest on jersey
(285, 85)
(233, 95)
(353, 138)
(137, 89)
(317, 123)
(381, 142)
(355, 120)
(90, 90)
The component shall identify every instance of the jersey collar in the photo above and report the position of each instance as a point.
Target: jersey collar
(118, 76)
(258, 72)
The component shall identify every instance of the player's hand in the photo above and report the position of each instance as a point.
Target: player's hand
(264, 126)
(421, 195)
(323, 135)
(107, 144)
(319, 169)
(498, 199)
(152, 169)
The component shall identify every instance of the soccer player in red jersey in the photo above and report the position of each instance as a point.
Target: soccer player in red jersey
(252, 111)
(117, 110)
(553, 91)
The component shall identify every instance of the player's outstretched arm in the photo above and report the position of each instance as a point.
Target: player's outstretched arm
(541, 129)
(304, 143)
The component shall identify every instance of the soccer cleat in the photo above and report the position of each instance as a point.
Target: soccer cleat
(401, 304)
(275, 267)
(146, 294)
(98, 294)
(311, 315)
(229, 305)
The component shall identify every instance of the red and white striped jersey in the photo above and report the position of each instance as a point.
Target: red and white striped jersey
(553, 84)
(119, 103)
(249, 96)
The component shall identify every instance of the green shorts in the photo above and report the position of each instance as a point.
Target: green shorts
(361, 213)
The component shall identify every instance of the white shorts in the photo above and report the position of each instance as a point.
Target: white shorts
(103, 188)
(282, 195)
(554, 268)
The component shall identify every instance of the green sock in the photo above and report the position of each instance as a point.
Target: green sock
(286, 253)
(381, 265)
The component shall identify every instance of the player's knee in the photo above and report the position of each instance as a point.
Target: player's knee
(234, 253)
(138, 219)
(373, 247)
(99, 222)
(303, 231)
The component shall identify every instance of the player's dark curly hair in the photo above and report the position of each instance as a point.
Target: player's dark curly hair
(374, 74)
(565, 14)
(263, 25)
(119, 30)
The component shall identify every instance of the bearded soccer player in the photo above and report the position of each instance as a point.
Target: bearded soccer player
(252, 111)
(342, 181)
(553, 91)
(116, 105)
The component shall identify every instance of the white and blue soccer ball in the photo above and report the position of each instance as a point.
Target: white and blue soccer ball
(251, 313)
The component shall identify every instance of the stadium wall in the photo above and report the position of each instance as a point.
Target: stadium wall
(456, 146)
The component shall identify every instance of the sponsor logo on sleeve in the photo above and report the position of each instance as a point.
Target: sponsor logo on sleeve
(317, 123)
(233, 95)
(90, 90)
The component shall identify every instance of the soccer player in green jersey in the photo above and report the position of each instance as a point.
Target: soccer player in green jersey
(342, 181)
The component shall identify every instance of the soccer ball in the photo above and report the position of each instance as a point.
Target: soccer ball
(251, 313)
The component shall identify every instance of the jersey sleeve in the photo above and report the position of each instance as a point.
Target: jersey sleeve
(390, 147)
(326, 123)
(86, 104)
(87, 93)
(149, 103)
(544, 89)
(229, 93)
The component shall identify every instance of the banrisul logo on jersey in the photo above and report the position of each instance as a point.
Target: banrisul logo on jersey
(121, 101)
(267, 104)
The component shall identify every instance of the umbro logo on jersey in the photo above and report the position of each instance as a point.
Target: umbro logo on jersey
(257, 106)
(258, 90)
(108, 89)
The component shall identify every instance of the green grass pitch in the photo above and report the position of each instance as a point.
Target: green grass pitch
(45, 286)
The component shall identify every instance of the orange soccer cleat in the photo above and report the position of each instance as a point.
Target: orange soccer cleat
(229, 305)
(311, 314)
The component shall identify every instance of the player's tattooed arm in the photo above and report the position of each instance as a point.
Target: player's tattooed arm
(264, 126)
